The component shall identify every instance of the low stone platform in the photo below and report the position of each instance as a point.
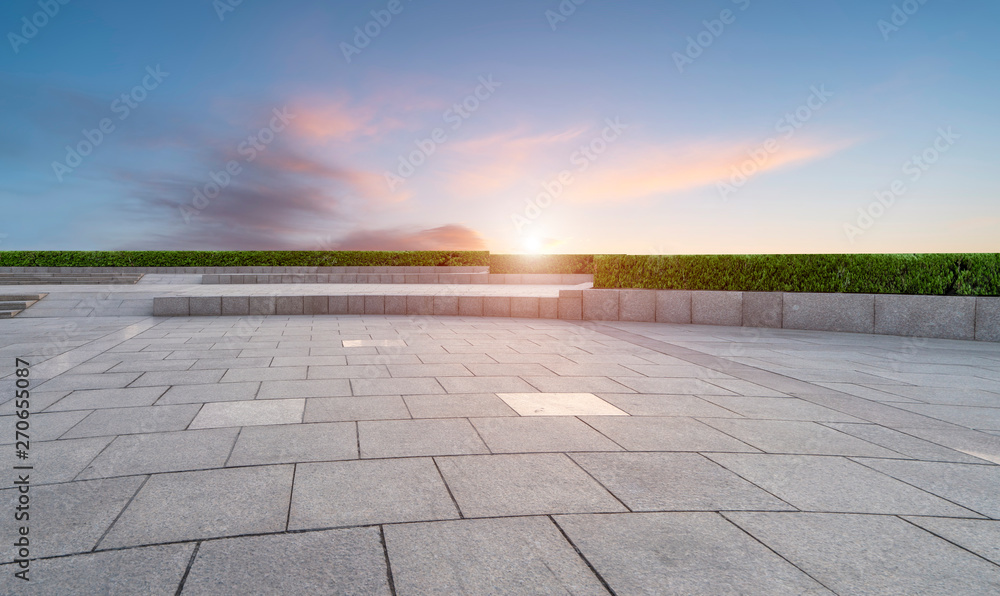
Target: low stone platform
(67, 278)
(945, 317)
(400, 278)
(12, 305)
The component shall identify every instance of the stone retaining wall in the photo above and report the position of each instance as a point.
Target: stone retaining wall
(948, 317)
(440, 277)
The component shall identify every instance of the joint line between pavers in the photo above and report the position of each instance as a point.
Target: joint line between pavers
(120, 513)
(187, 570)
(787, 560)
(448, 488)
(933, 533)
(583, 557)
(388, 564)
(747, 480)
(599, 483)
(291, 492)
(921, 489)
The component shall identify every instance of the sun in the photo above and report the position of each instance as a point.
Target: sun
(533, 245)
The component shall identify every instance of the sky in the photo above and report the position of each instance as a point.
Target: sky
(572, 126)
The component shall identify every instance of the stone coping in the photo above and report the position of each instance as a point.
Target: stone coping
(221, 270)
(946, 317)
(401, 278)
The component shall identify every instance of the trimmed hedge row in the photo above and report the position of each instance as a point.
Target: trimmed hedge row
(541, 263)
(937, 274)
(192, 258)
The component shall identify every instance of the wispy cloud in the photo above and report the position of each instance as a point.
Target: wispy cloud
(447, 237)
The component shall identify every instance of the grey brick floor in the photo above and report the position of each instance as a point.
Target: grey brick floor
(307, 455)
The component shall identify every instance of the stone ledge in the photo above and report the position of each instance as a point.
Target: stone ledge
(944, 317)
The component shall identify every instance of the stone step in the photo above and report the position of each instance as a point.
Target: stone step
(21, 297)
(7, 314)
(15, 305)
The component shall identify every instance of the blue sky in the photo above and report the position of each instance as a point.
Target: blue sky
(727, 126)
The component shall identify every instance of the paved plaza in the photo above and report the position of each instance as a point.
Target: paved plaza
(360, 454)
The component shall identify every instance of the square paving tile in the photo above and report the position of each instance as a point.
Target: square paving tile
(972, 486)
(91, 399)
(559, 404)
(46, 426)
(410, 438)
(505, 485)
(124, 421)
(779, 408)
(806, 438)
(293, 443)
(308, 388)
(68, 518)
(834, 484)
(249, 413)
(554, 384)
(91, 381)
(197, 505)
(414, 386)
(336, 409)
(349, 561)
(674, 386)
(349, 371)
(60, 460)
(149, 570)
(484, 384)
(653, 433)
(163, 452)
(640, 404)
(540, 434)
(867, 554)
(526, 555)
(675, 481)
(351, 493)
(378, 343)
(682, 553)
(904, 443)
(284, 373)
(177, 377)
(457, 406)
(192, 394)
(979, 536)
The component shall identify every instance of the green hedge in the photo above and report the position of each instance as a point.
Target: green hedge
(541, 263)
(191, 258)
(938, 274)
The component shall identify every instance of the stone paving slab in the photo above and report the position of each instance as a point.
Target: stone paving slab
(406, 454)
(333, 562)
(205, 504)
(352, 493)
(852, 554)
(816, 483)
(682, 553)
(505, 485)
(675, 482)
(152, 570)
(526, 555)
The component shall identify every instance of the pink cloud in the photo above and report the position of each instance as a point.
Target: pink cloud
(447, 237)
